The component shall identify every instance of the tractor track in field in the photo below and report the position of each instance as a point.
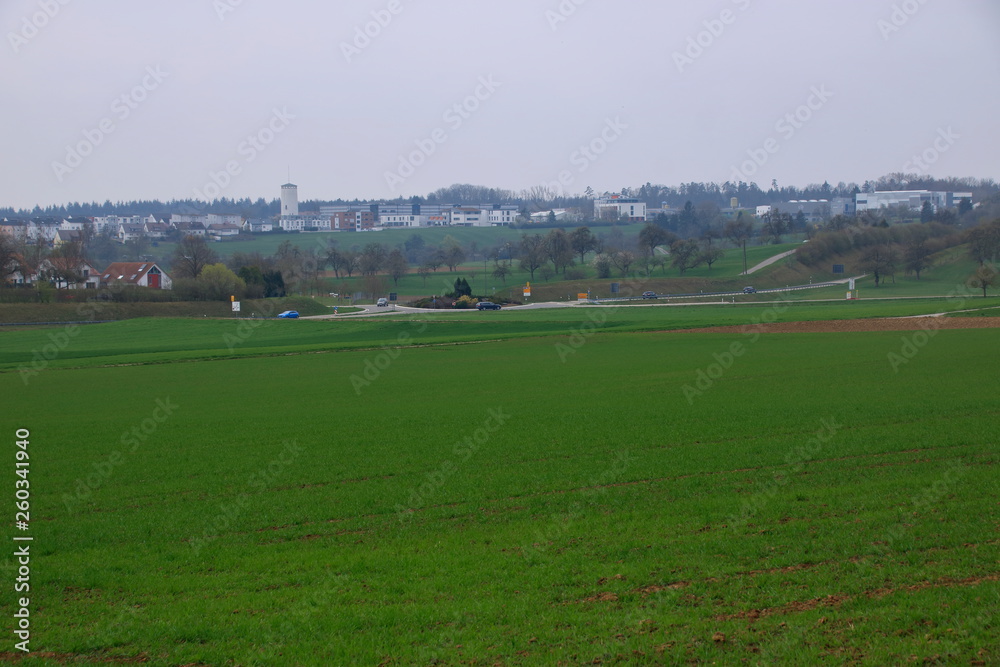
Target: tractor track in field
(494, 501)
(836, 600)
(927, 323)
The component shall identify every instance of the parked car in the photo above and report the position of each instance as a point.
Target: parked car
(749, 290)
(649, 295)
(382, 302)
(289, 314)
(487, 305)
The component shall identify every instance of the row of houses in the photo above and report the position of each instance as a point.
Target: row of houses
(379, 216)
(86, 276)
(57, 231)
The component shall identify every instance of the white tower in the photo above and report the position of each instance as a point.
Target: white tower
(289, 199)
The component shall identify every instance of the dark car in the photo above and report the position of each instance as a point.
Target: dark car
(749, 290)
(486, 305)
(289, 314)
(649, 295)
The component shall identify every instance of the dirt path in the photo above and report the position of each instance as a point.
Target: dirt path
(768, 262)
(883, 324)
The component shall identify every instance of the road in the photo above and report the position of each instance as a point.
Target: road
(769, 262)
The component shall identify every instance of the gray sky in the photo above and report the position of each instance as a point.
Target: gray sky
(153, 98)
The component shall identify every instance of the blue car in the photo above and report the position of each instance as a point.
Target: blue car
(290, 314)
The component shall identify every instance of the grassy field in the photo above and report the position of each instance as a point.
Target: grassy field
(267, 244)
(626, 496)
(155, 340)
(100, 311)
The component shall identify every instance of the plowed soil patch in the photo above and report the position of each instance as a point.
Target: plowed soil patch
(876, 324)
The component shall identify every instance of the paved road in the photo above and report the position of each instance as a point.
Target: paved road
(768, 262)
(371, 310)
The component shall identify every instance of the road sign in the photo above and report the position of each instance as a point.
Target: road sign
(616, 288)
(392, 296)
(236, 306)
(839, 268)
(852, 287)
(527, 291)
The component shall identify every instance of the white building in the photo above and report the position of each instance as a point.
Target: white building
(110, 224)
(913, 199)
(258, 226)
(305, 223)
(224, 229)
(616, 207)
(542, 217)
(396, 220)
(502, 216)
(289, 199)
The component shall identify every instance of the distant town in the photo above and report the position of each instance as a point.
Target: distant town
(377, 217)
(60, 250)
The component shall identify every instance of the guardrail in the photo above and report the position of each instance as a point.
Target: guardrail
(777, 290)
(53, 324)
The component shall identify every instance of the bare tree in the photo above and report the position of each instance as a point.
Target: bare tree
(192, 255)
(710, 255)
(652, 236)
(739, 231)
(532, 253)
(623, 260)
(984, 278)
(67, 264)
(501, 272)
(423, 272)
(917, 257)
(686, 255)
(8, 258)
(373, 258)
(397, 266)
(582, 241)
(559, 249)
(880, 261)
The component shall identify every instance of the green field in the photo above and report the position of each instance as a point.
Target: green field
(564, 486)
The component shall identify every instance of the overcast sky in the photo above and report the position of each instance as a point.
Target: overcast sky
(122, 100)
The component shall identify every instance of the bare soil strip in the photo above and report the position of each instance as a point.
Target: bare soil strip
(874, 324)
